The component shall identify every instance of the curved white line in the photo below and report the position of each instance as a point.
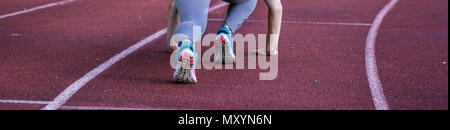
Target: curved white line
(64, 96)
(36, 8)
(376, 89)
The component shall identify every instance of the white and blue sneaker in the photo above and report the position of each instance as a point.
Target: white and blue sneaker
(224, 49)
(185, 64)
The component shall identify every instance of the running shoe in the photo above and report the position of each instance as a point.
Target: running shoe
(224, 49)
(185, 64)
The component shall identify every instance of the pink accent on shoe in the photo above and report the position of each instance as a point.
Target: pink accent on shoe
(224, 39)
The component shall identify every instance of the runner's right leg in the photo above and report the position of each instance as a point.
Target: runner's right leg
(193, 13)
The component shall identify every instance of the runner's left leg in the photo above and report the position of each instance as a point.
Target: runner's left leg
(238, 13)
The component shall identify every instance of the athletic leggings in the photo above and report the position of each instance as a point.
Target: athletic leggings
(195, 13)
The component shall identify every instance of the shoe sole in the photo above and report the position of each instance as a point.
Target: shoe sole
(185, 71)
(228, 56)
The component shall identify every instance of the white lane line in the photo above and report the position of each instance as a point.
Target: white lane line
(77, 107)
(105, 108)
(376, 88)
(74, 87)
(24, 102)
(302, 22)
(77, 85)
(218, 6)
(36, 8)
(114, 108)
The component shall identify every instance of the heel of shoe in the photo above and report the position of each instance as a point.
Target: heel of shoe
(225, 51)
(185, 69)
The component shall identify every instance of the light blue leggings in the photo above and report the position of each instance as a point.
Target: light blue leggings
(195, 13)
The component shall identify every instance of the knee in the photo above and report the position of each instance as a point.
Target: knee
(192, 26)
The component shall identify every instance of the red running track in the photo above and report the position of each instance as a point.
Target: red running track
(321, 66)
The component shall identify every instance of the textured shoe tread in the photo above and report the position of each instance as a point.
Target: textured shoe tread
(224, 51)
(184, 72)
